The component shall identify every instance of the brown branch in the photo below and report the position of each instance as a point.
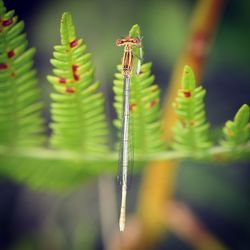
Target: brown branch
(180, 220)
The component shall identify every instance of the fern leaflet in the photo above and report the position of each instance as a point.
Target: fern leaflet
(191, 129)
(237, 132)
(20, 119)
(77, 108)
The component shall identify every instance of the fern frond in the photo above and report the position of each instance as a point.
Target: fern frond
(237, 132)
(191, 128)
(77, 108)
(20, 119)
(144, 106)
(50, 170)
(62, 170)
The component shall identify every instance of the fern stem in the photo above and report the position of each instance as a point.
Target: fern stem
(45, 154)
(78, 118)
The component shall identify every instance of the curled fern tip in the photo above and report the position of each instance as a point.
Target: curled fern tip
(67, 28)
(135, 31)
(242, 116)
(188, 78)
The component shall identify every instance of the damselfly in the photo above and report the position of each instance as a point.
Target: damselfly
(127, 69)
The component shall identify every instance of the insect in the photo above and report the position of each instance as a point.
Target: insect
(127, 69)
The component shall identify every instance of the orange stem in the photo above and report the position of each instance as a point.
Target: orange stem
(159, 178)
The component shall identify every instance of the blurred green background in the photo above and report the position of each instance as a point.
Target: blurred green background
(219, 195)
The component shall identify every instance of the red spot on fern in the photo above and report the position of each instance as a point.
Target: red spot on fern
(73, 43)
(13, 74)
(62, 80)
(76, 77)
(132, 107)
(184, 124)
(3, 66)
(187, 94)
(74, 67)
(192, 123)
(153, 103)
(10, 54)
(70, 90)
(7, 22)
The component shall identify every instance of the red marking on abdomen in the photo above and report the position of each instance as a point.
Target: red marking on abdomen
(73, 43)
(7, 22)
(11, 53)
(187, 94)
(3, 66)
(70, 90)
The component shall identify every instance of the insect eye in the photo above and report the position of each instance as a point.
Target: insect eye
(119, 42)
(136, 40)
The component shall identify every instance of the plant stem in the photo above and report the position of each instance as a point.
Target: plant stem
(187, 226)
(218, 153)
(159, 178)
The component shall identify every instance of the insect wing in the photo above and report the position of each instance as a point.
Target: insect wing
(130, 158)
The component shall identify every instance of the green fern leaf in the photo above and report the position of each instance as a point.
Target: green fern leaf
(20, 119)
(52, 171)
(237, 132)
(144, 106)
(77, 109)
(191, 129)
